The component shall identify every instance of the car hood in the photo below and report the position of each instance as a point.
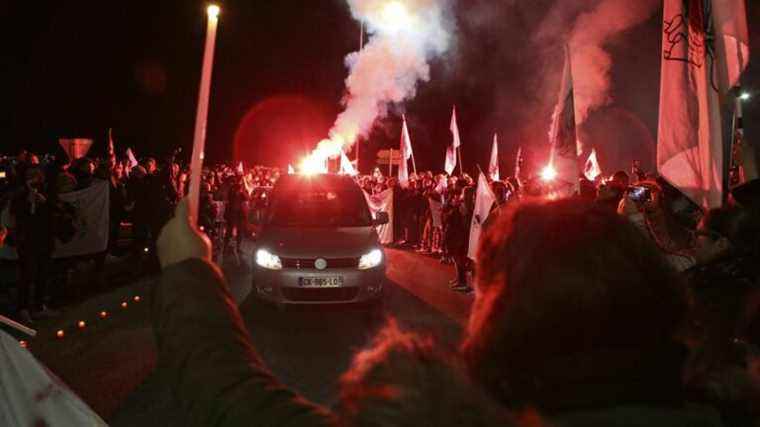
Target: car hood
(343, 242)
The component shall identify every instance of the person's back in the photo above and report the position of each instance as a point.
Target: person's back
(576, 315)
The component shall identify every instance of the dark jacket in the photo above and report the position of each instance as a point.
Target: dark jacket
(204, 346)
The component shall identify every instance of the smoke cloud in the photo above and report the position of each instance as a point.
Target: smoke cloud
(404, 36)
(591, 62)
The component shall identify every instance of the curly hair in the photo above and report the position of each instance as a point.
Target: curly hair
(403, 379)
(565, 278)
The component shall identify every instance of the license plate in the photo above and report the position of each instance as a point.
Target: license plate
(321, 282)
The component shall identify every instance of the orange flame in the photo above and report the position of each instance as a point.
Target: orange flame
(316, 162)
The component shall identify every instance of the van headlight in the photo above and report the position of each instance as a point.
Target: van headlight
(268, 260)
(371, 259)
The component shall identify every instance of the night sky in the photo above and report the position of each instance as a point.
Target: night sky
(76, 68)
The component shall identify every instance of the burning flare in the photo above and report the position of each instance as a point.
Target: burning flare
(404, 35)
(549, 173)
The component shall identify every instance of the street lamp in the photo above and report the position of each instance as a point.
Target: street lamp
(745, 96)
(213, 11)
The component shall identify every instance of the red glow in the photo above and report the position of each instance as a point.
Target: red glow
(280, 129)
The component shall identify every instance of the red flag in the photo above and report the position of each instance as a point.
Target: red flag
(705, 50)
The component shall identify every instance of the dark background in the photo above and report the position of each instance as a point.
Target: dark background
(76, 68)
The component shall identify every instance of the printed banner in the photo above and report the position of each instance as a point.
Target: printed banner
(382, 202)
(91, 207)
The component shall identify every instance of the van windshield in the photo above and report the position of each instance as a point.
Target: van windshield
(319, 206)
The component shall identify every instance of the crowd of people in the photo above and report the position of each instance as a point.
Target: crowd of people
(624, 303)
(620, 305)
(142, 198)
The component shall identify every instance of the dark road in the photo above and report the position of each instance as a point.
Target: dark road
(307, 348)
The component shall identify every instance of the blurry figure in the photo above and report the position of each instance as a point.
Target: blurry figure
(83, 170)
(33, 233)
(236, 215)
(611, 191)
(582, 327)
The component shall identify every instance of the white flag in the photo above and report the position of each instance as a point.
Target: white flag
(240, 168)
(451, 151)
(346, 167)
(33, 396)
(564, 150)
(484, 200)
(493, 166)
(132, 159)
(406, 154)
(704, 51)
(291, 171)
(518, 165)
(111, 149)
(592, 169)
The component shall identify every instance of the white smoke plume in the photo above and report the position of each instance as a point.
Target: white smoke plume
(404, 36)
(591, 62)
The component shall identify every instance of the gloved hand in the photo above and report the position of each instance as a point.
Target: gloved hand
(180, 240)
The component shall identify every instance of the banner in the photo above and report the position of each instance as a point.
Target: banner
(382, 202)
(91, 207)
(32, 396)
(484, 200)
(704, 51)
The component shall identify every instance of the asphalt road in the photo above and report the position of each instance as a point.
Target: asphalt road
(306, 348)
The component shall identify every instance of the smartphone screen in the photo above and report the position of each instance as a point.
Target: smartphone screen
(639, 194)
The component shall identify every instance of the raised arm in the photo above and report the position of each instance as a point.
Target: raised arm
(204, 346)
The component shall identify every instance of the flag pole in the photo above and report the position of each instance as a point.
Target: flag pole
(737, 132)
(390, 163)
(201, 118)
(461, 167)
(361, 47)
(17, 326)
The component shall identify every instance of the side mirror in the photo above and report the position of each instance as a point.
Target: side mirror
(381, 218)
